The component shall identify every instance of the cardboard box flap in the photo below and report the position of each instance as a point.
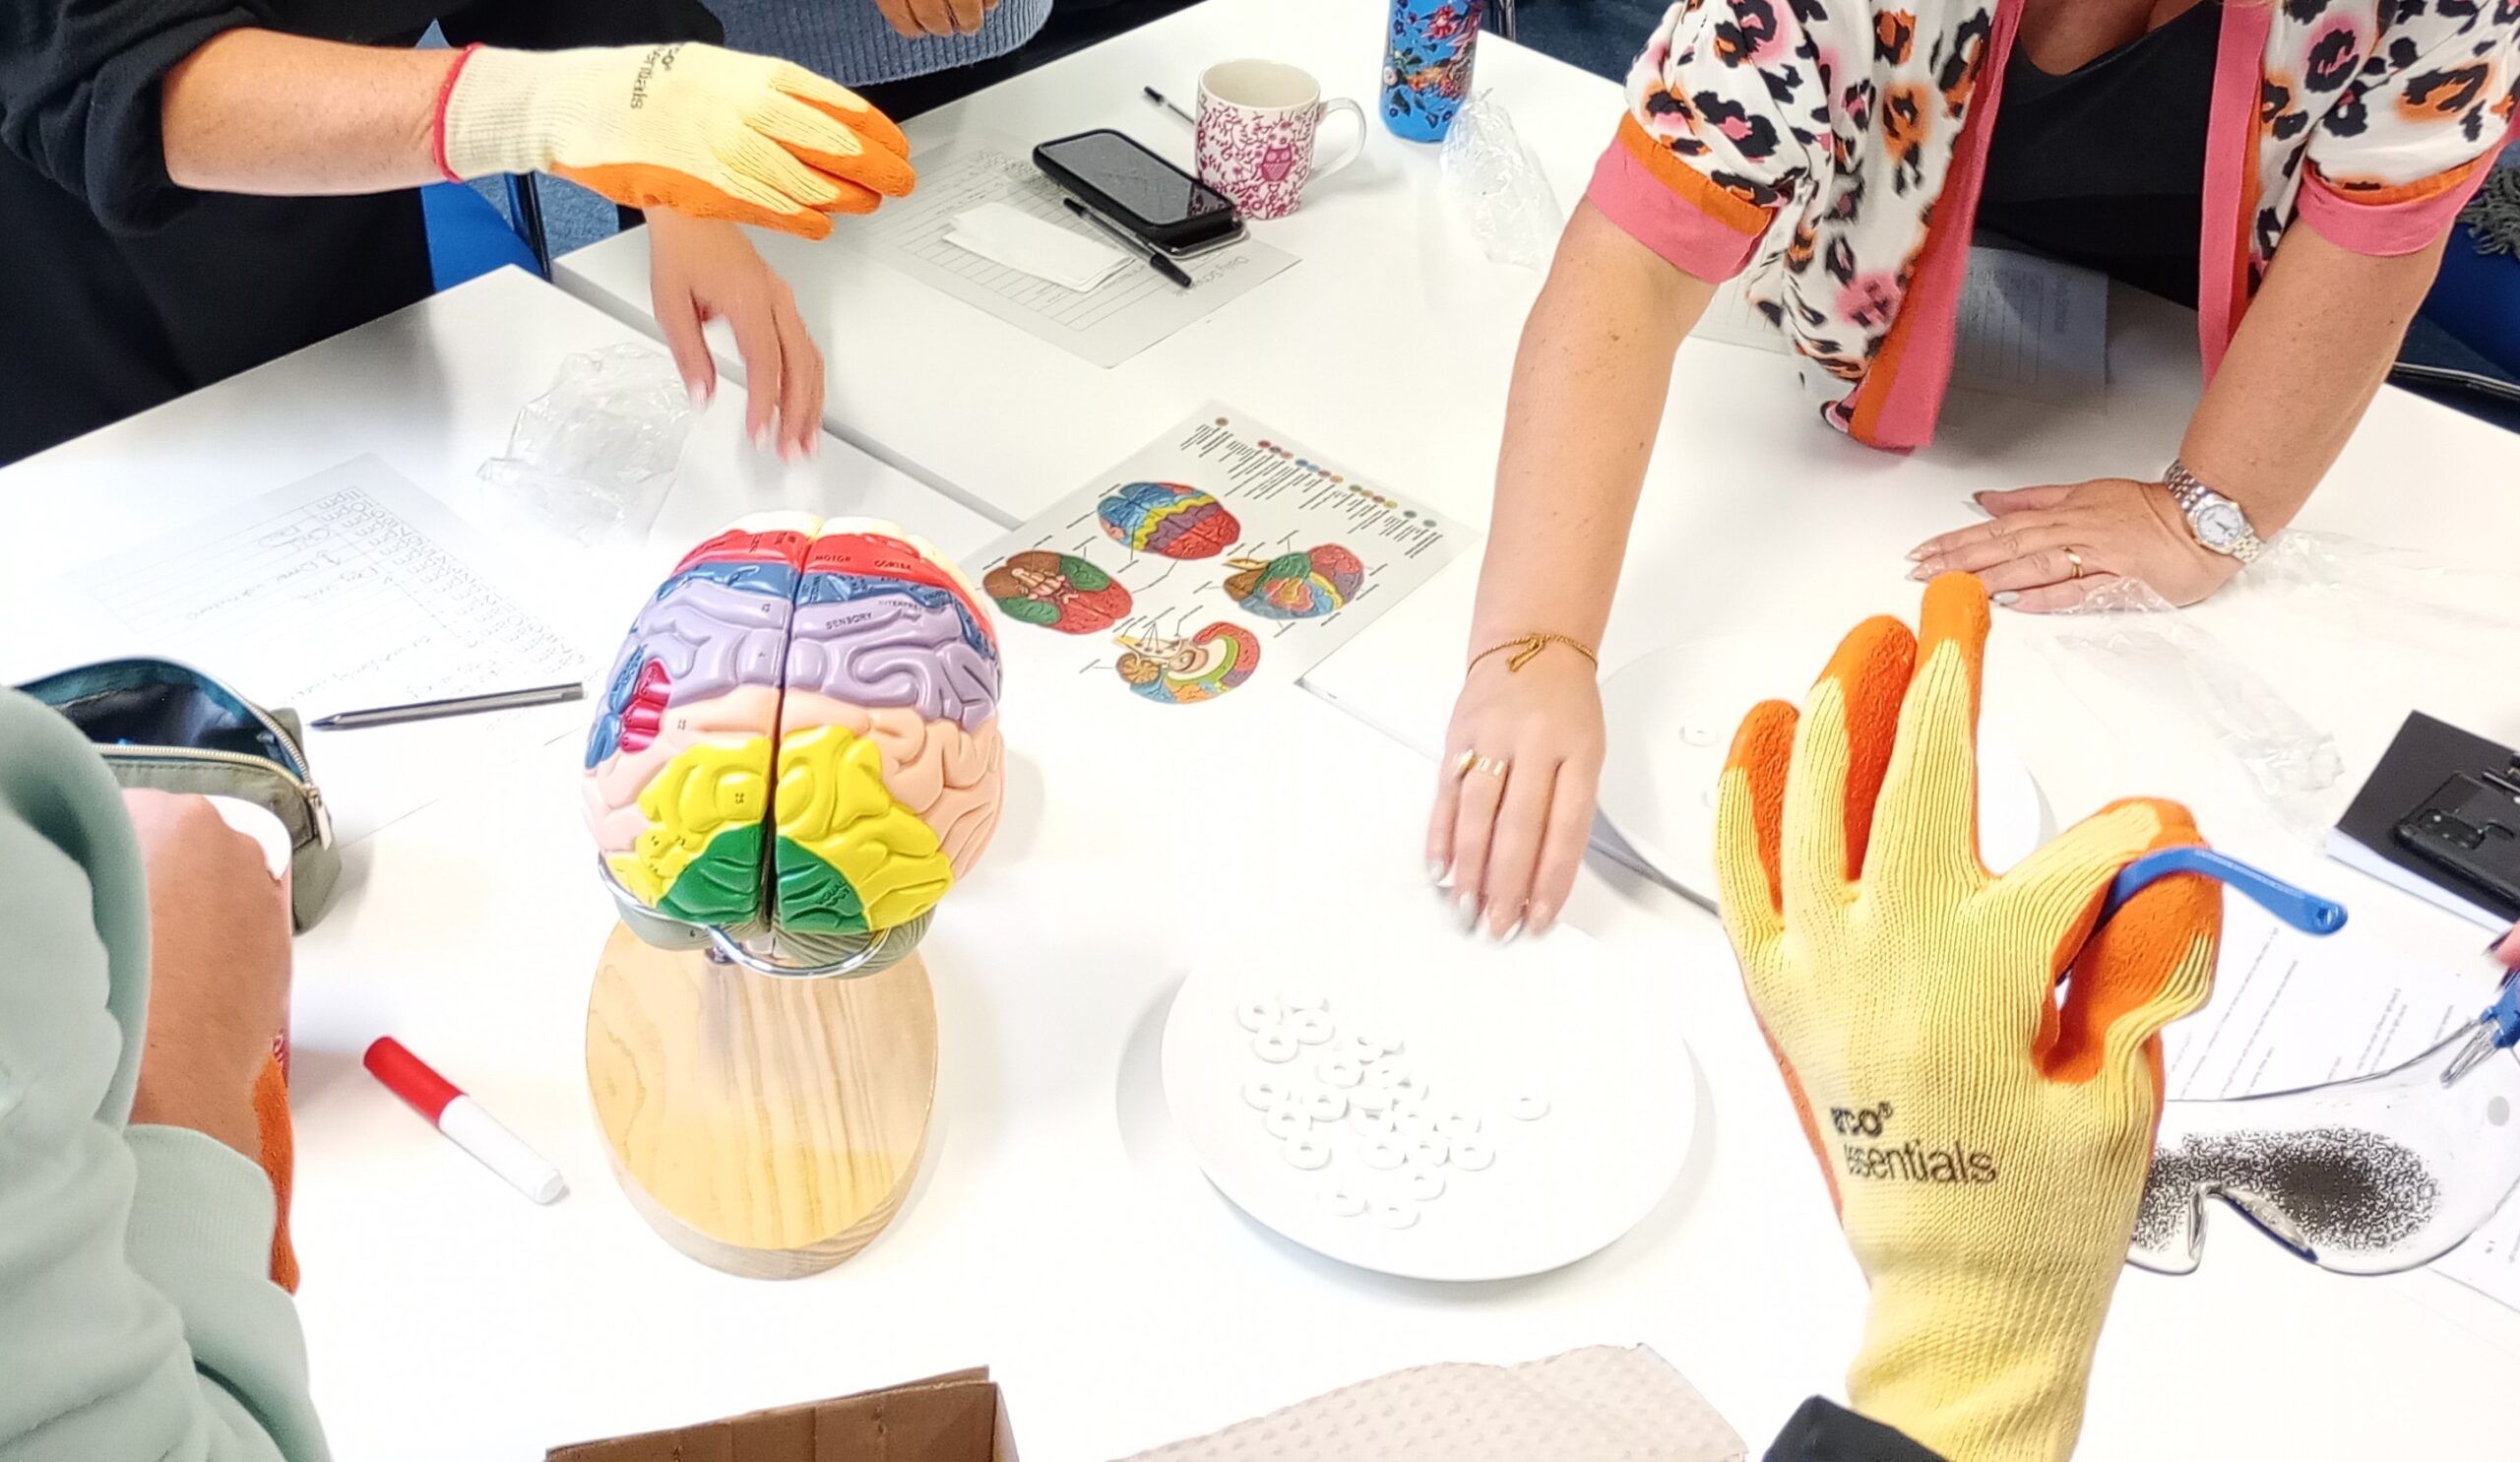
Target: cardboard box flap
(957, 1418)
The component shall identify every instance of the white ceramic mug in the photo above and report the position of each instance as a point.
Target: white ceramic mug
(1259, 122)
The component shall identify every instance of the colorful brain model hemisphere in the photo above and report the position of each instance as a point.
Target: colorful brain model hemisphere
(1297, 586)
(800, 732)
(1178, 672)
(1168, 518)
(1058, 590)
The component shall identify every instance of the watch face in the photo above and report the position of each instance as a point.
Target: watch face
(2221, 525)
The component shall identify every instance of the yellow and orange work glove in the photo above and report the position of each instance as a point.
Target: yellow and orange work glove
(1985, 1142)
(706, 132)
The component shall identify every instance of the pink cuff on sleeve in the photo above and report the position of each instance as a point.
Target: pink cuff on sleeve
(2388, 221)
(1648, 211)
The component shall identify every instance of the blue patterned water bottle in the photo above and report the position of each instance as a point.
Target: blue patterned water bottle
(1425, 73)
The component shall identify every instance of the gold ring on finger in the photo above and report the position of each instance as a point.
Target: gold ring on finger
(1462, 764)
(2075, 560)
(1493, 766)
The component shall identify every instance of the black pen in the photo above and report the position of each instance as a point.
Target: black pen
(1161, 100)
(1134, 246)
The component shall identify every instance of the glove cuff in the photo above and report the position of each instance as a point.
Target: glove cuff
(1984, 1367)
(492, 116)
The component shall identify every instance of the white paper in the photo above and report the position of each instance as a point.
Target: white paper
(2290, 1010)
(2031, 327)
(2293, 1010)
(1212, 605)
(1003, 235)
(349, 590)
(1107, 325)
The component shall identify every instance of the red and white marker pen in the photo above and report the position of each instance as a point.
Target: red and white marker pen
(464, 1121)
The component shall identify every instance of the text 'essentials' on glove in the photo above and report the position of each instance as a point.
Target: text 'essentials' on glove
(703, 131)
(1986, 1141)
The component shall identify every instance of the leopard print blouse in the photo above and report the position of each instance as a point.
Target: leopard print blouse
(1833, 149)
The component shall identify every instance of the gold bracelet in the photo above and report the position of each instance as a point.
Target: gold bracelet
(1527, 646)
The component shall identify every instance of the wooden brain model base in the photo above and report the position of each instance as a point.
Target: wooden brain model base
(796, 757)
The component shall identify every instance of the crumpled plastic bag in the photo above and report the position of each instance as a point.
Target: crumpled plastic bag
(1497, 187)
(2322, 582)
(593, 458)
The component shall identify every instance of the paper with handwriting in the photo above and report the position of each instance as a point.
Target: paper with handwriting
(352, 589)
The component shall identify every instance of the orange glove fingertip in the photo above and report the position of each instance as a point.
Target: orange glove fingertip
(871, 126)
(1763, 755)
(1956, 612)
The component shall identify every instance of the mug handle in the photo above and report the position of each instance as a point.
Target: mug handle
(1329, 109)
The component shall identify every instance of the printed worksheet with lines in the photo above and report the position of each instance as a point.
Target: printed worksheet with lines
(350, 589)
(1106, 325)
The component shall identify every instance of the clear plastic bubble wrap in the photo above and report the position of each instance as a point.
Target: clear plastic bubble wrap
(593, 458)
(1493, 181)
(2322, 585)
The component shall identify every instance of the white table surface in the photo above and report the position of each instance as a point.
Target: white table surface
(1056, 1233)
(1388, 349)
(1383, 347)
(432, 390)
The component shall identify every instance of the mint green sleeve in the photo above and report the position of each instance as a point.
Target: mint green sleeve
(136, 1316)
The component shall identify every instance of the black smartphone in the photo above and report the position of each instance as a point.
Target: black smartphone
(2469, 827)
(1132, 188)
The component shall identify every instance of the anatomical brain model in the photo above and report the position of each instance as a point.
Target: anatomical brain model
(799, 743)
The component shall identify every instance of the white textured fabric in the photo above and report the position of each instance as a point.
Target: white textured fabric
(1599, 1404)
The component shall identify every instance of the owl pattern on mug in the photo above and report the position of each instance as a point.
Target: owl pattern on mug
(1259, 122)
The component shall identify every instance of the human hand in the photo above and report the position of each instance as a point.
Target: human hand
(707, 131)
(700, 269)
(1986, 1143)
(1514, 795)
(917, 18)
(2120, 529)
(218, 962)
(2508, 951)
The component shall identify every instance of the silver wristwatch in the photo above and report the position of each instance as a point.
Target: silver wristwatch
(2213, 519)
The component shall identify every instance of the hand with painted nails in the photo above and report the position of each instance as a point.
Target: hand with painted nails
(1514, 795)
(2045, 550)
(702, 270)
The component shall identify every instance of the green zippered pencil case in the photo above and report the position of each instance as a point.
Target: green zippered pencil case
(169, 726)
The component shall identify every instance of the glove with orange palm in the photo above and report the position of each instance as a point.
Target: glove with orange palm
(703, 131)
(1985, 1144)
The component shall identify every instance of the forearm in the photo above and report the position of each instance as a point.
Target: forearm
(257, 111)
(1589, 381)
(2315, 348)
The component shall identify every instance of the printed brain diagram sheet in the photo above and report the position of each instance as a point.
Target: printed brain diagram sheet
(1220, 555)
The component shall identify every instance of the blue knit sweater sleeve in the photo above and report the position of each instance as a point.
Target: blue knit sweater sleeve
(850, 40)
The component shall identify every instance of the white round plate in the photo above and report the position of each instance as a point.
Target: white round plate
(1556, 1018)
(1671, 716)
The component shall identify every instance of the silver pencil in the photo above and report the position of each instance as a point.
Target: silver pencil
(460, 705)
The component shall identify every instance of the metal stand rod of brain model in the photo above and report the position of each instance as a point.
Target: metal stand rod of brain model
(796, 758)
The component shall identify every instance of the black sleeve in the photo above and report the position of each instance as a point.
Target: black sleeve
(1820, 1432)
(557, 25)
(79, 94)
